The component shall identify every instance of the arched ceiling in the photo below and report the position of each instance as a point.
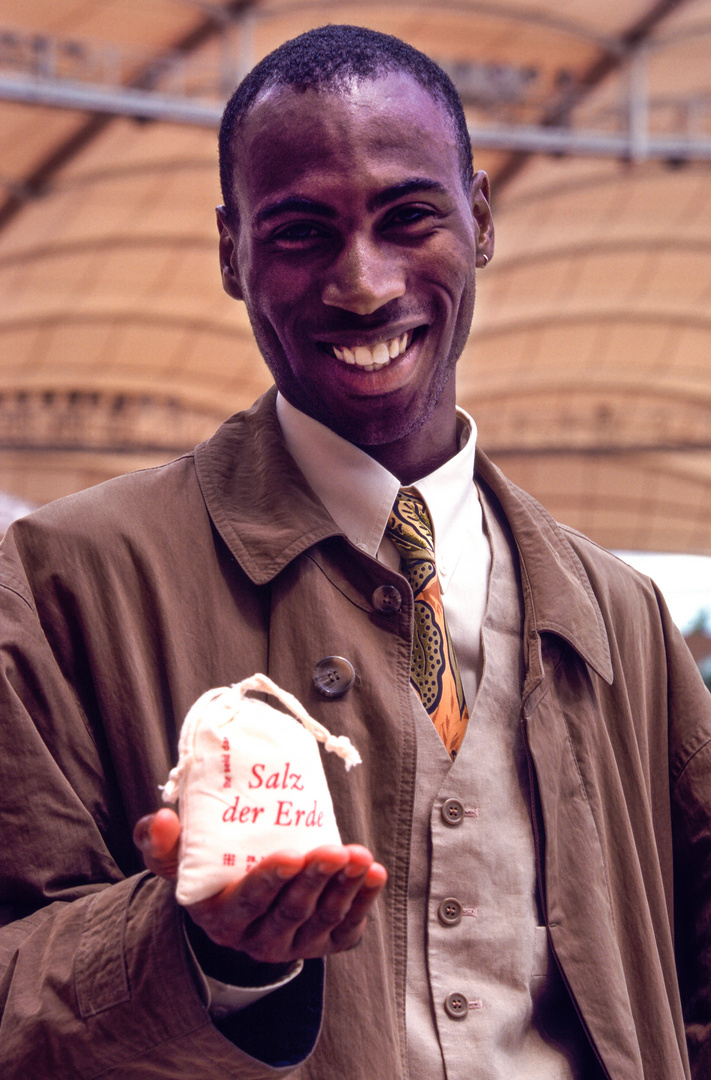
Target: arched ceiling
(589, 367)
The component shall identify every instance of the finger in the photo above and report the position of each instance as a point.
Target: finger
(269, 934)
(164, 833)
(304, 915)
(157, 836)
(273, 913)
(359, 861)
(339, 918)
(227, 916)
(297, 901)
(322, 868)
(377, 877)
(348, 932)
(340, 890)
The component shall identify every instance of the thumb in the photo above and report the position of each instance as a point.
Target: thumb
(156, 836)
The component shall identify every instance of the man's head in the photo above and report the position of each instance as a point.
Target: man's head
(331, 58)
(352, 232)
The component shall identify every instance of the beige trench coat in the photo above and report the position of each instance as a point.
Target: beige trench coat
(122, 604)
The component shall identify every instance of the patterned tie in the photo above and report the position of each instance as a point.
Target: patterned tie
(434, 672)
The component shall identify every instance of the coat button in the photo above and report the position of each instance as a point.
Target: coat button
(456, 1006)
(333, 676)
(387, 600)
(452, 812)
(450, 911)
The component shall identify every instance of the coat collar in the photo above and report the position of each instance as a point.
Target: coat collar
(256, 495)
(267, 515)
(559, 596)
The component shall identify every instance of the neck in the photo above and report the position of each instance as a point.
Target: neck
(417, 454)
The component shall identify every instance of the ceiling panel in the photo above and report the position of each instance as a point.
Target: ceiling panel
(588, 370)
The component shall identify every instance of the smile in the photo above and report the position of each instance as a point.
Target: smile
(374, 357)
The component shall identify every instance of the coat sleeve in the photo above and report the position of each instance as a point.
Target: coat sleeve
(690, 776)
(95, 974)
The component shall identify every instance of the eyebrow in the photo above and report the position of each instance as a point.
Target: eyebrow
(300, 204)
(294, 204)
(406, 187)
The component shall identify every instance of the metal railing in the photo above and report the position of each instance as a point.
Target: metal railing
(504, 101)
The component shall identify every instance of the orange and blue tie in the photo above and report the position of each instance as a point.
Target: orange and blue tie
(434, 670)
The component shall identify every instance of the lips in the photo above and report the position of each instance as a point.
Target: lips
(373, 357)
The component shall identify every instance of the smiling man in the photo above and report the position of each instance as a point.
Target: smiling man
(526, 867)
(352, 233)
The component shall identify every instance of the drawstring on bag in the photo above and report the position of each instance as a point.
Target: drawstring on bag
(249, 781)
(230, 698)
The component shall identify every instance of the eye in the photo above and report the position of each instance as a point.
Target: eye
(298, 232)
(410, 215)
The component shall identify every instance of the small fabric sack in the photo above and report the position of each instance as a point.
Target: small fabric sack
(250, 781)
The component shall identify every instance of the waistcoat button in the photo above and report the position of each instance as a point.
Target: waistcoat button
(452, 812)
(387, 600)
(450, 911)
(333, 676)
(456, 1006)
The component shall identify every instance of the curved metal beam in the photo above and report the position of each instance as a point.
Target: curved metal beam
(625, 145)
(601, 450)
(514, 12)
(123, 319)
(40, 176)
(551, 388)
(603, 248)
(621, 315)
(105, 243)
(596, 73)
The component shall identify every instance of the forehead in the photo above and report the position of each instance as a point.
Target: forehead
(377, 130)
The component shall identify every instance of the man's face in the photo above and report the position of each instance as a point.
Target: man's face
(355, 253)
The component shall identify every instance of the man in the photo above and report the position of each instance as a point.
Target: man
(540, 845)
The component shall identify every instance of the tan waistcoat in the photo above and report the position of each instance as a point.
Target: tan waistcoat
(475, 991)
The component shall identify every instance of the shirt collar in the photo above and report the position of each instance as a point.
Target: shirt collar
(359, 493)
(452, 500)
(266, 524)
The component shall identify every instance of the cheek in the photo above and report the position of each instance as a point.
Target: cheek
(465, 277)
(454, 290)
(285, 297)
(451, 269)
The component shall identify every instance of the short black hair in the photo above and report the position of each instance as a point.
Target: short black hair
(328, 58)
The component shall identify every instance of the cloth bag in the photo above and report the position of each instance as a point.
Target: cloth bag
(249, 781)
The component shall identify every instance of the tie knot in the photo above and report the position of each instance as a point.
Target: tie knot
(409, 527)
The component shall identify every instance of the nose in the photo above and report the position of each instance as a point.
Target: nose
(363, 278)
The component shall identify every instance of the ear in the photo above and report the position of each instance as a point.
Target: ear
(481, 210)
(228, 255)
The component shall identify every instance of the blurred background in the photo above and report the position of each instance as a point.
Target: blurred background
(589, 368)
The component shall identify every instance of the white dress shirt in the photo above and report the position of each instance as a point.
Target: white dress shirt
(359, 493)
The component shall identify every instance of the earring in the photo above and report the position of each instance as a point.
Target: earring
(486, 260)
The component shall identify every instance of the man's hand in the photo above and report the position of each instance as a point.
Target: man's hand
(289, 907)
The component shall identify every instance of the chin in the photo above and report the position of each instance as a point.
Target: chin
(376, 431)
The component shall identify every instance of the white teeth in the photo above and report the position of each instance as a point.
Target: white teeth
(363, 356)
(373, 359)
